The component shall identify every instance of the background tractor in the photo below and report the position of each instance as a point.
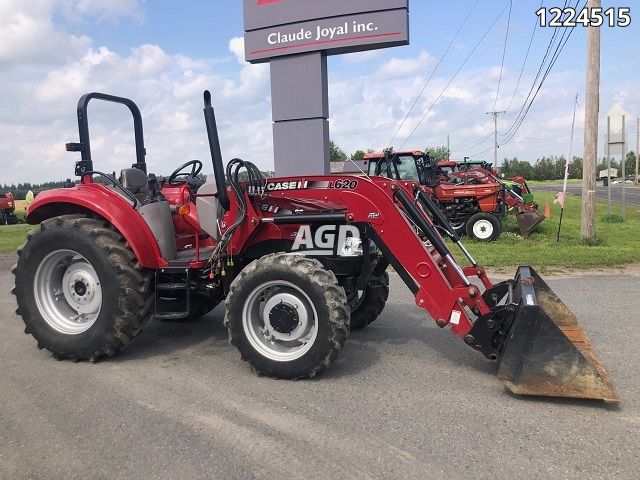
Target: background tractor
(104, 260)
(7, 209)
(471, 197)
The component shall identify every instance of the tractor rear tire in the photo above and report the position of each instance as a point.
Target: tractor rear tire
(371, 303)
(484, 227)
(80, 290)
(287, 316)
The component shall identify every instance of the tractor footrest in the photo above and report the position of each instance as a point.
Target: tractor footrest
(171, 315)
(172, 294)
(172, 287)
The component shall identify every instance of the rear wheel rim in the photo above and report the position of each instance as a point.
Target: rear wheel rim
(67, 291)
(483, 229)
(280, 321)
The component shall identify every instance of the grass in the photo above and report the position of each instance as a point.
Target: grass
(571, 181)
(616, 243)
(12, 236)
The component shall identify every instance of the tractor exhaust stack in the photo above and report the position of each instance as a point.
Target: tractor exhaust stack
(546, 352)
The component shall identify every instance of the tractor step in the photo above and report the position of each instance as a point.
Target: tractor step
(172, 287)
(171, 315)
(172, 294)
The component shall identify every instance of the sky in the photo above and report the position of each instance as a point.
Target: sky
(163, 54)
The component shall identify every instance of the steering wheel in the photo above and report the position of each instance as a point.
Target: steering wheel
(178, 177)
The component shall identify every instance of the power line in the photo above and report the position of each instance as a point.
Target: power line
(432, 73)
(469, 146)
(535, 80)
(456, 74)
(533, 33)
(504, 52)
(556, 55)
(512, 131)
(471, 155)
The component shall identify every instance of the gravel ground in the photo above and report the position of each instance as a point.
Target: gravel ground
(404, 400)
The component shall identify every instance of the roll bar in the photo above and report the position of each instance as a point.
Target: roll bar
(84, 147)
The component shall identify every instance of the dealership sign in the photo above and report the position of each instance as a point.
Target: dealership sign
(274, 28)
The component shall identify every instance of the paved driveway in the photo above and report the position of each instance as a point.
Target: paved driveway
(405, 400)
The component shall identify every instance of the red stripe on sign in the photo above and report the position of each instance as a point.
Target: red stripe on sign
(267, 2)
(324, 42)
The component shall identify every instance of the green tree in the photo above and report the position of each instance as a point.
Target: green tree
(516, 168)
(336, 154)
(358, 155)
(630, 164)
(575, 168)
(438, 153)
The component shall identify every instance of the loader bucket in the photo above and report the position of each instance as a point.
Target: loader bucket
(527, 221)
(547, 353)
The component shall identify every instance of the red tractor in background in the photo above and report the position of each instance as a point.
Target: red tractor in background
(107, 259)
(517, 196)
(473, 209)
(473, 199)
(7, 209)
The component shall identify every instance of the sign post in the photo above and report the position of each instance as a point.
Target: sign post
(296, 36)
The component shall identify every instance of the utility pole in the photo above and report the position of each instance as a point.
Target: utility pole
(624, 164)
(448, 149)
(636, 180)
(495, 136)
(592, 108)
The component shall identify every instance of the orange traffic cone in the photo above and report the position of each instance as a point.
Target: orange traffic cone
(547, 210)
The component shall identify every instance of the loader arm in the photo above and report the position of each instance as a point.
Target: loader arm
(540, 351)
(440, 285)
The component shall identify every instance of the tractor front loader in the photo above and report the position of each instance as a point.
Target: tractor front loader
(298, 261)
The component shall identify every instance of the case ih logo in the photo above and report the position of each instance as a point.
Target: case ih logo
(267, 2)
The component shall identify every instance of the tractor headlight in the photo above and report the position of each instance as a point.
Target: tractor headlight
(352, 247)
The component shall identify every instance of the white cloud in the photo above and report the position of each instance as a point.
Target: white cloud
(30, 36)
(37, 111)
(402, 67)
(360, 57)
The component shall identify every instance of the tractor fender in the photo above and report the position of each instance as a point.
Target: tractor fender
(96, 199)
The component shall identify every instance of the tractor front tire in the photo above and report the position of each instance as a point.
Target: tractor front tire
(484, 227)
(287, 316)
(371, 303)
(80, 289)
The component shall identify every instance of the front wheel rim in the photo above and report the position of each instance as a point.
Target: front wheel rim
(483, 229)
(280, 321)
(67, 291)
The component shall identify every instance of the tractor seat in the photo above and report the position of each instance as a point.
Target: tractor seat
(135, 181)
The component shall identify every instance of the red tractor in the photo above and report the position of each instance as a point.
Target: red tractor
(517, 196)
(7, 209)
(473, 209)
(473, 200)
(298, 261)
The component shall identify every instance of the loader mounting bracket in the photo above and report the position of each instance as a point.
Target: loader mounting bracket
(489, 332)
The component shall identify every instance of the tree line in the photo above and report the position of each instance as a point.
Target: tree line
(552, 168)
(545, 168)
(20, 190)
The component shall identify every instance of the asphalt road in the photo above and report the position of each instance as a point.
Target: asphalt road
(405, 400)
(632, 193)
